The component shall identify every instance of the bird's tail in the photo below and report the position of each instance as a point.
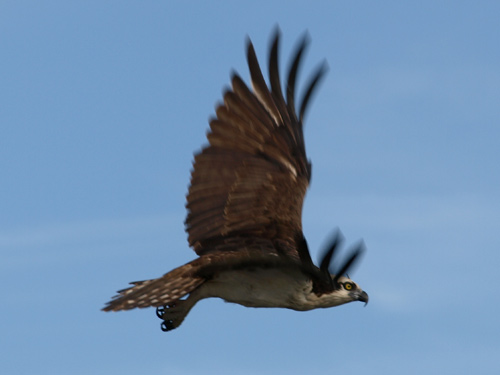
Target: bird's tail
(157, 292)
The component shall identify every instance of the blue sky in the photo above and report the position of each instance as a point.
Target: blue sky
(102, 106)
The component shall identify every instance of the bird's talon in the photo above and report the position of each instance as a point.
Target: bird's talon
(160, 311)
(167, 325)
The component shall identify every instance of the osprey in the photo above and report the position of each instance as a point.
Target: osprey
(244, 209)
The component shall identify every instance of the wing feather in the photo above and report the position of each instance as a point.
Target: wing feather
(260, 87)
(250, 181)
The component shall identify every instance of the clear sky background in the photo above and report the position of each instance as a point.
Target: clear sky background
(102, 104)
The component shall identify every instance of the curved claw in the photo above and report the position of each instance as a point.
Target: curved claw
(160, 311)
(167, 325)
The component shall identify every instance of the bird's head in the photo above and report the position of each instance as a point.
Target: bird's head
(348, 291)
(345, 291)
(337, 289)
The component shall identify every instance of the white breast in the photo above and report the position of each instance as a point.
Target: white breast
(262, 288)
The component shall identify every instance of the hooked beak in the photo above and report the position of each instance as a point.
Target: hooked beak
(362, 296)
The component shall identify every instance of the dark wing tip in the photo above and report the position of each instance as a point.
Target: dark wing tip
(251, 55)
(292, 74)
(318, 75)
(274, 75)
(335, 242)
(359, 249)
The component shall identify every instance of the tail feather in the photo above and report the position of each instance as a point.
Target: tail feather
(156, 292)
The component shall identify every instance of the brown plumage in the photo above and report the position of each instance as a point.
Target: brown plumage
(244, 209)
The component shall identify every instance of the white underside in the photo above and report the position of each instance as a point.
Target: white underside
(267, 288)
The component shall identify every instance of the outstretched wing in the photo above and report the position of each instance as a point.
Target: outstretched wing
(250, 181)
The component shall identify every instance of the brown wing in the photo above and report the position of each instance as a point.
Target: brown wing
(250, 181)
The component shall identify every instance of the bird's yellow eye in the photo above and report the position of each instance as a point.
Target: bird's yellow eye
(348, 286)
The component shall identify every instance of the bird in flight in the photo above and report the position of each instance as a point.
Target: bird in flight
(244, 208)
